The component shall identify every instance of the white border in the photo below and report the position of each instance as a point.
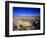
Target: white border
(11, 5)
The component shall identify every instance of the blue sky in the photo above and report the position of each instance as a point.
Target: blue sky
(24, 11)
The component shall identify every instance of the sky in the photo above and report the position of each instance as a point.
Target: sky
(25, 11)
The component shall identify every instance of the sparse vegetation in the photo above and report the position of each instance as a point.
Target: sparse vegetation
(26, 23)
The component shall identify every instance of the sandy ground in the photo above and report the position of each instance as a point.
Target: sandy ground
(26, 23)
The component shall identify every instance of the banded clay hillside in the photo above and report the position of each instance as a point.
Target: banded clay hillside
(26, 23)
